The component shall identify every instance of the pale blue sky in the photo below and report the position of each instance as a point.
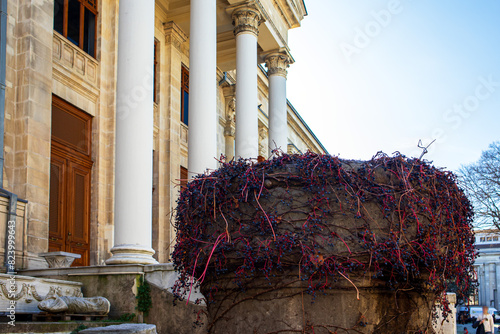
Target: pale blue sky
(380, 75)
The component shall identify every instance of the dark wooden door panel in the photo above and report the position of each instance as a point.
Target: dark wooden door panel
(57, 203)
(70, 181)
(78, 230)
(84, 252)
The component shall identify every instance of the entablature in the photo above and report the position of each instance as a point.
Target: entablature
(278, 16)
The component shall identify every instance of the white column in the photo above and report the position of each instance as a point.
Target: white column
(277, 63)
(493, 287)
(487, 287)
(246, 22)
(202, 137)
(134, 134)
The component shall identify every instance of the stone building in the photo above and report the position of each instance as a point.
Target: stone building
(487, 268)
(110, 105)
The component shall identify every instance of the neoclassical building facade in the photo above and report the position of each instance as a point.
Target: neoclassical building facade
(487, 268)
(111, 105)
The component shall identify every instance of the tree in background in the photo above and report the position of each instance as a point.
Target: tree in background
(481, 181)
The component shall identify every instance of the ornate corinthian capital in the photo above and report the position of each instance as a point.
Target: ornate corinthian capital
(277, 63)
(246, 20)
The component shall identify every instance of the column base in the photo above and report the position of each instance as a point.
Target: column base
(131, 254)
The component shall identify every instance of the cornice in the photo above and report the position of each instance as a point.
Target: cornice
(174, 35)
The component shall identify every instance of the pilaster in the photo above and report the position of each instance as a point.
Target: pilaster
(102, 199)
(28, 111)
(229, 128)
(169, 163)
(263, 142)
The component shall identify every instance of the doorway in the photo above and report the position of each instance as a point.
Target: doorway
(70, 181)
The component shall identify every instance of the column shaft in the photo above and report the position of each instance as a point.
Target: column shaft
(202, 137)
(134, 134)
(246, 22)
(247, 129)
(277, 64)
(278, 126)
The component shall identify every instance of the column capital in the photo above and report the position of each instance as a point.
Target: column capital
(277, 64)
(246, 20)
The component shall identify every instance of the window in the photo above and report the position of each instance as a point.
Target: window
(481, 239)
(488, 238)
(184, 95)
(155, 72)
(495, 238)
(474, 297)
(76, 20)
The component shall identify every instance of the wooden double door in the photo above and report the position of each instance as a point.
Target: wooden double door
(70, 181)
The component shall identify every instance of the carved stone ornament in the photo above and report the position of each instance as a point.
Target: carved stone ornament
(231, 110)
(60, 259)
(246, 20)
(229, 130)
(277, 63)
(75, 305)
(28, 292)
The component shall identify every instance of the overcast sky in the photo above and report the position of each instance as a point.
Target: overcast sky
(376, 75)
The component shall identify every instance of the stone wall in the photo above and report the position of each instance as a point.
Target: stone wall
(28, 114)
(119, 283)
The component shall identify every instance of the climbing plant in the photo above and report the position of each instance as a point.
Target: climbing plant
(324, 219)
(144, 302)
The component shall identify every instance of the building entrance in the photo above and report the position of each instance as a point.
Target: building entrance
(70, 172)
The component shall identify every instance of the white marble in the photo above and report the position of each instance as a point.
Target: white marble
(247, 127)
(134, 134)
(27, 291)
(202, 135)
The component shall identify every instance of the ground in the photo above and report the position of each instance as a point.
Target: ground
(460, 328)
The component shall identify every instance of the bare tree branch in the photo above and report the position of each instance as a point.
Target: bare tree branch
(481, 182)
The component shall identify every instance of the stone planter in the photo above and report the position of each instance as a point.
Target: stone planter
(313, 244)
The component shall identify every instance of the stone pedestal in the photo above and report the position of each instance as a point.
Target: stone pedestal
(60, 259)
(286, 307)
